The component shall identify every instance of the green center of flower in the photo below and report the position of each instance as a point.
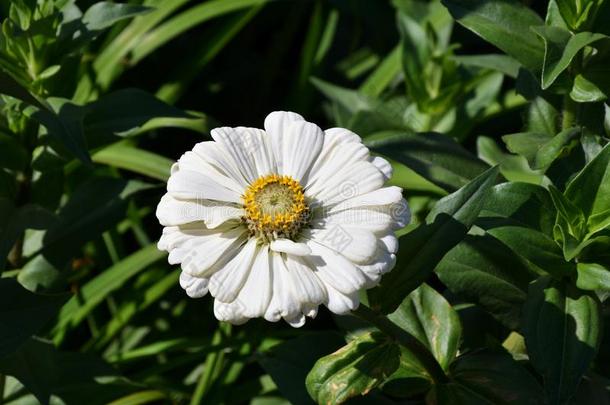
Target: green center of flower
(275, 207)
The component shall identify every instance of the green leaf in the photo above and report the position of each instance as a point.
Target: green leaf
(590, 189)
(496, 377)
(560, 48)
(15, 220)
(22, 314)
(186, 20)
(541, 150)
(539, 251)
(484, 271)
(353, 370)
(505, 24)
(501, 63)
(543, 117)
(593, 277)
(513, 168)
(562, 326)
(421, 250)
(12, 155)
(523, 204)
(132, 111)
(428, 316)
(435, 157)
(73, 377)
(571, 214)
(64, 122)
(91, 209)
(289, 362)
(125, 156)
(105, 14)
(95, 291)
(585, 91)
(411, 378)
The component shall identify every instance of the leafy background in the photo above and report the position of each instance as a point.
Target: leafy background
(493, 113)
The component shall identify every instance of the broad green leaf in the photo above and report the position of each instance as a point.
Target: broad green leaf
(593, 276)
(353, 370)
(411, 378)
(22, 314)
(125, 156)
(91, 209)
(496, 377)
(585, 91)
(505, 24)
(428, 316)
(105, 14)
(289, 362)
(560, 49)
(513, 168)
(590, 189)
(542, 117)
(579, 14)
(64, 122)
(421, 250)
(15, 220)
(95, 291)
(435, 157)
(571, 214)
(562, 329)
(540, 149)
(525, 205)
(501, 63)
(482, 270)
(74, 377)
(539, 251)
(132, 111)
(12, 155)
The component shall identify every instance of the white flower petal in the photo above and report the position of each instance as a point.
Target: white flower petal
(334, 140)
(381, 196)
(194, 287)
(383, 263)
(195, 162)
(383, 165)
(340, 158)
(276, 126)
(187, 184)
(171, 211)
(351, 181)
(232, 312)
(300, 147)
(389, 242)
(226, 283)
(357, 245)
(308, 288)
(240, 143)
(290, 247)
(255, 295)
(218, 160)
(283, 302)
(334, 269)
(340, 303)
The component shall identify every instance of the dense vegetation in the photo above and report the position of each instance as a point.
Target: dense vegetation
(492, 112)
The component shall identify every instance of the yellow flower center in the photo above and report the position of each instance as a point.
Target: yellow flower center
(275, 207)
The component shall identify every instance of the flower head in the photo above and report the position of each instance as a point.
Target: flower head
(274, 223)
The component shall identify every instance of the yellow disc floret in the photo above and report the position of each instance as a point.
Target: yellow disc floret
(275, 207)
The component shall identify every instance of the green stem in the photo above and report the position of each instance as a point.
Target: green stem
(405, 339)
(212, 366)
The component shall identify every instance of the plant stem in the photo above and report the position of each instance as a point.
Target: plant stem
(405, 339)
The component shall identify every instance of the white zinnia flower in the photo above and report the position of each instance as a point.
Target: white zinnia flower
(274, 223)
